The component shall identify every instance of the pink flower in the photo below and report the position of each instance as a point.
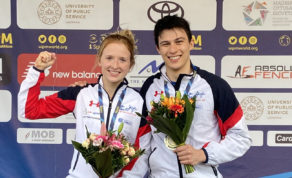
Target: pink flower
(116, 144)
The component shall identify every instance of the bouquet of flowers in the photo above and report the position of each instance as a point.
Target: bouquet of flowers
(108, 152)
(173, 116)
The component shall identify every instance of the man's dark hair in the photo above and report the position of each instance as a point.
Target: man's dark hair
(171, 22)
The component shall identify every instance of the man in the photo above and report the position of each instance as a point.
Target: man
(218, 133)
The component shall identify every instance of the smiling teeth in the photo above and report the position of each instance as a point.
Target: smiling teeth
(174, 57)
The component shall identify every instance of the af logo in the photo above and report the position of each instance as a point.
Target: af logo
(242, 72)
(284, 40)
(252, 107)
(164, 8)
(49, 12)
(255, 13)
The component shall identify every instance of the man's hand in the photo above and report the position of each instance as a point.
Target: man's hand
(189, 155)
(45, 60)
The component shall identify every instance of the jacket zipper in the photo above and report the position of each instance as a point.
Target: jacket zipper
(215, 170)
(77, 157)
(149, 160)
(108, 113)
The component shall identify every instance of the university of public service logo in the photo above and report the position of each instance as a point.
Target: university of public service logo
(49, 12)
(255, 13)
(164, 8)
(252, 107)
(284, 40)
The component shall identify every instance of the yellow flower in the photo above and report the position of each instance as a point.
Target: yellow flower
(86, 143)
(126, 160)
(131, 151)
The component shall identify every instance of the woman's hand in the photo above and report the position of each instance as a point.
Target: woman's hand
(45, 60)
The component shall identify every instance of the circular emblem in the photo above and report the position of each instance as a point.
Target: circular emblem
(252, 107)
(93, 38)
(62, 39)
(164, 8)
(49, 12)
(284, 40)
(252, 40)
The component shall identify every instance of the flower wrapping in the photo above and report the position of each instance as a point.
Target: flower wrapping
(173, 116)
(108, 152)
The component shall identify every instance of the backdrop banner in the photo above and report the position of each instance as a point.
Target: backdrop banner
(246, 42)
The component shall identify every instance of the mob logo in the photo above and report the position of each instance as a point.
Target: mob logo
(40, 134)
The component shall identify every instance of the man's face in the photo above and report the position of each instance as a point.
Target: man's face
(174, 47)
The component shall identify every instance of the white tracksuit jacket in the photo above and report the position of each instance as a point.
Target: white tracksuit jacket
(218, 126)
(84, 103)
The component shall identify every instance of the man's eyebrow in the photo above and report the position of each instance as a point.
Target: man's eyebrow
(162, 42)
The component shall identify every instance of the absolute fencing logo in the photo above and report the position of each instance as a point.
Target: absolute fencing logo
(164, 8)
(49, 12)
(255, 13)
(263, 72)
(253, 107)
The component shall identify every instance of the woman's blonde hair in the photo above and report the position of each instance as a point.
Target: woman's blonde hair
(124, 36)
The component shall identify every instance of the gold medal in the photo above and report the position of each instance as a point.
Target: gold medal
(169, 143)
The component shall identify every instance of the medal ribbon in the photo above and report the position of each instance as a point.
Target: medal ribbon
(166, 89)
(116, 109)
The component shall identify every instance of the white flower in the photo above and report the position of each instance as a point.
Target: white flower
(97, 142)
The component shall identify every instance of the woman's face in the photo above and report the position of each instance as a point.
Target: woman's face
(115, 63)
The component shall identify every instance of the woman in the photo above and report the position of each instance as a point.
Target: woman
(110, 100)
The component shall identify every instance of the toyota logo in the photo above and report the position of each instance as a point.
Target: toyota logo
(164, 8)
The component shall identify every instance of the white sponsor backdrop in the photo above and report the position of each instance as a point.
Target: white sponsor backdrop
(200, 13)
(246, 42)
(73, 14)
(5, 14)
(257, 15)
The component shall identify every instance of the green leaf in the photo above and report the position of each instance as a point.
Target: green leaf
(103, 162)
(121, 126)
(189, 110)
(168, 127)
(87, 133)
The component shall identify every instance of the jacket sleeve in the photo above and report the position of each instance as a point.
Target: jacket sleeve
(32, 107)
(235, 140)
